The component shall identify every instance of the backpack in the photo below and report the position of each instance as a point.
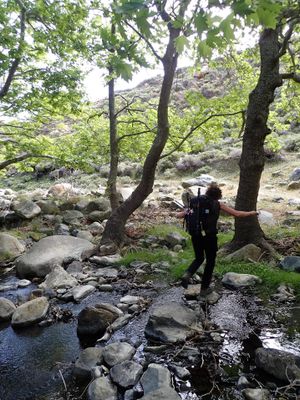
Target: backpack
(202, 215)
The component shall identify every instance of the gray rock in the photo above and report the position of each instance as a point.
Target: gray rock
(59, 278)
(23, 283)
(290, 263)
(96, 228)
(48, 206)
(250, 251)
(85, 235)
(266, 218)
(156, 382)
(256, 394)
(106, 260)
(295, 175)
(74, 268)
(7, 309)
(101, 204)
(117, 352)
(10, 247)
(202, 180)
(131, 299)
(181, 372)
(280, 364)
(107, 273)
(95, 320)
(235, 280)
(30, 312)
(72, 217)
(102, 389)
(171, 323)
(49, 251)
(99, 216)
(87, 360)
(175, 239)
(294, 185)
(126, 374)
(26, 209)
(62, 229)
(80, 292)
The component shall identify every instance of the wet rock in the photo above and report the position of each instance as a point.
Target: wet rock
(26, 209)
(80, 292)
(131, 299)
(171, 323)
(280, 364)
(95, 320)
(246, 253)
(256, 394)
(117, 352)
(102, 389)
(237, 281)
(156, 382)
(10, 247)
(180, 372)
(109, 273)
(126, 374)
(105, 288)
(87, 360)
(30, 312)
(59, 278)
(290, 263)
(120, 322)
(7, 309)
(49, 251)
(23, 283)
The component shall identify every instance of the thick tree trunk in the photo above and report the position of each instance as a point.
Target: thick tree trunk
(248, 230)
(115, 227)
(114, 147)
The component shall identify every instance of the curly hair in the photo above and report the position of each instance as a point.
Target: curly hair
(214, 192)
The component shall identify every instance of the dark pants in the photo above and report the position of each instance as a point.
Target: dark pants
(207, 245)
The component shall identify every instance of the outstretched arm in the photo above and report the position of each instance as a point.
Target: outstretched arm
(237, 213)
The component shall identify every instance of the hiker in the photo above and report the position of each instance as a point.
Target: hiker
(201, 219)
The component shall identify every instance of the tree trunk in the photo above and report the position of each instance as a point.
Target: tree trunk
(115, 226)
(114, 147)
(248, 230)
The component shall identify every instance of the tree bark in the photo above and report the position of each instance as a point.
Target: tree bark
(115, 226)
(248, 230)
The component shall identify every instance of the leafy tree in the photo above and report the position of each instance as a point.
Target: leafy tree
(274, 42)
(39, 46)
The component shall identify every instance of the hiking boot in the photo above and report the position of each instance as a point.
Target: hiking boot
(185, 280)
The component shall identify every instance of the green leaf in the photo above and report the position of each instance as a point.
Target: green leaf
(180, 43)
(225, 26)
(201, 23)
(204, 50)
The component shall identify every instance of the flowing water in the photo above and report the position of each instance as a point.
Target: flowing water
(33, 360)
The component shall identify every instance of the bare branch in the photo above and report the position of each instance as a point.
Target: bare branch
(136, 134)
(194, 128)
(291, 75)
(149, 44)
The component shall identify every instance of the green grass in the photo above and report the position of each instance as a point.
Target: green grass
(271, 276)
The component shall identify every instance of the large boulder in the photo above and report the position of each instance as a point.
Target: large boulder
(94, 320)
(171, 323)
(246, 253)
(30, 312)
(280, 364)
(126, 374)
(7, 309)
(117, 352)
(232, 279)
(26, 209)
(10, 247)
(88, 359)
(58, 278)
(49, 251)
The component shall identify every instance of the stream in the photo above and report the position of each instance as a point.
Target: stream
(33, 360)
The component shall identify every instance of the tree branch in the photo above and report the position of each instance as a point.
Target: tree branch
(136, 134)
(16, 61)
(286, 39)
(149, 44)
(22, 157)
(193, 129)
(291, 75)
